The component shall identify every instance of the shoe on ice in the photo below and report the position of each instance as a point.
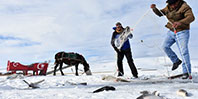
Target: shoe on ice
(136, 76)
(120, 74)
(185, 76)
(176, 65)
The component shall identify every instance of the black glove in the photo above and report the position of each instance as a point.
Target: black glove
(117, 50)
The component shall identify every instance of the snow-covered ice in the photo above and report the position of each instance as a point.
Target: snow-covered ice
(58, 86)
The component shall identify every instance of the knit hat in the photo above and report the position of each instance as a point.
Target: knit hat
(171, 1)
(118, 23)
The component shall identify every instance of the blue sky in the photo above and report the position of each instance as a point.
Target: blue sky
(34, 30)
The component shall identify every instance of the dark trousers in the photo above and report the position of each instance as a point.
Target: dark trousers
(120, 56)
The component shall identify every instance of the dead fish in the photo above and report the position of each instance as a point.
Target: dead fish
(107, 88)
(156, 93)
(145, 92)
(148, 95)
(182, 92)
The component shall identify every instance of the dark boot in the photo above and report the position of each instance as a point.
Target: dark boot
(176, 65)
(136, 76)
(120, 74)
(185, 76)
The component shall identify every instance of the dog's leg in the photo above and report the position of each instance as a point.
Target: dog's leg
(55, 68)
(76, 67)
(61, 64)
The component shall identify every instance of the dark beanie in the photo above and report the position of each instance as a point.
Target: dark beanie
(118, 23)
(171, 1)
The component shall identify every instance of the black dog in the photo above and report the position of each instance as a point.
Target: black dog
(71, 59)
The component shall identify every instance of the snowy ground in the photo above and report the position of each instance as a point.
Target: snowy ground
(59, 88)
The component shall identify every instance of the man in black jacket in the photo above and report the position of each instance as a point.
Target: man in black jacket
(124, 51)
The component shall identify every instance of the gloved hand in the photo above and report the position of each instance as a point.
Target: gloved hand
(153, 6)
(176, 24)
(117, 50)
(130, 36)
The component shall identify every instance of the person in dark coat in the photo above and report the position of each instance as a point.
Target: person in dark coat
(124, 51)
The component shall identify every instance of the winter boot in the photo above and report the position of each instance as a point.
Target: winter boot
(136, 76)
(185, 76)
(120, 74)
(176, 65)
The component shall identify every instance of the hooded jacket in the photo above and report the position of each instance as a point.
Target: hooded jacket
(183, 14)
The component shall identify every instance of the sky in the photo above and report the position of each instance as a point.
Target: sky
(35, 30)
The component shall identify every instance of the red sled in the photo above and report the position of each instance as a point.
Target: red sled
(35, 67)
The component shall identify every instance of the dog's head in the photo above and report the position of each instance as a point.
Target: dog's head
(58, 57)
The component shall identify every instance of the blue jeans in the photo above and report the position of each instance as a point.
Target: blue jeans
(181, 39)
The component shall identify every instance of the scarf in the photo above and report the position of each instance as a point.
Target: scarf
(120, 30)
